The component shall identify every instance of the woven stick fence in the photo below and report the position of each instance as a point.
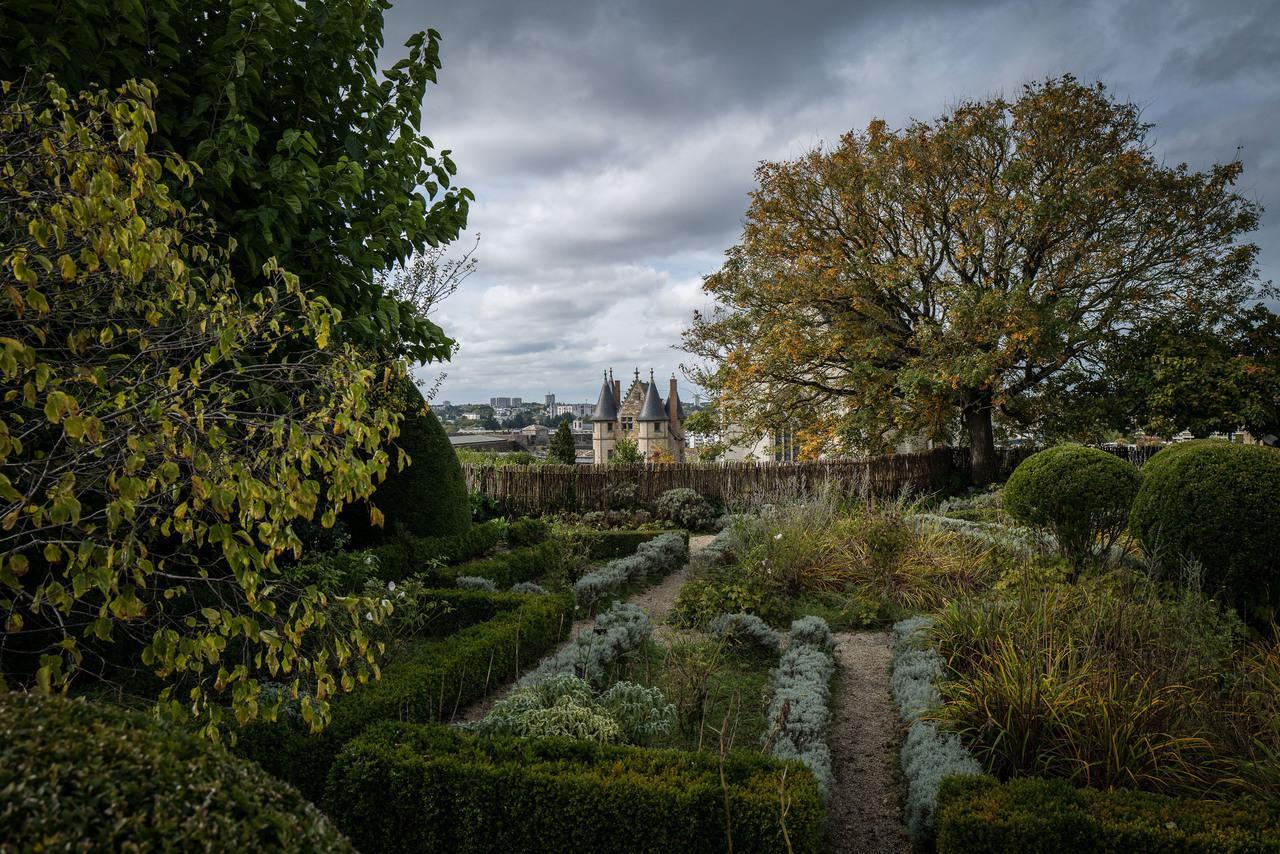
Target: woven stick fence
(547, 488)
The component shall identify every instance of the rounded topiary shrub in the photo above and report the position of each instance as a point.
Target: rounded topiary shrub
(1218, 505)
(428, 497)
(1080, 495)
(80, 776)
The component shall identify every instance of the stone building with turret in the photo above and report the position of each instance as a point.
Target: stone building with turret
(655, 425)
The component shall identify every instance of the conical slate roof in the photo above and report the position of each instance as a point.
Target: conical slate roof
(605, 408)
(652, 410)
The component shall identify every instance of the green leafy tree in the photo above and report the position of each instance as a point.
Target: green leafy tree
(160, 433)
(917, 281)
(562, 449)
(626, 453)
(1179, 374)
(307, 154)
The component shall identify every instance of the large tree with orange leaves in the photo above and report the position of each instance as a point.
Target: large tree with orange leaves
(923, 281)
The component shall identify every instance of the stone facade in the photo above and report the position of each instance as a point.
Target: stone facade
(655, 425)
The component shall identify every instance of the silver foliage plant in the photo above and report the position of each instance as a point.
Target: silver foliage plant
(801, 685)
(475, 582)
(528, 587)
(928, 753)
(567, 706)
(652, 559)
(746, 629)
(617, 632)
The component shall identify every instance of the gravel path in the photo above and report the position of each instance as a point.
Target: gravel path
(865, 812)
(657, 601)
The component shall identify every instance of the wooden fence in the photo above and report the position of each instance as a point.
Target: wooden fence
(547, 488)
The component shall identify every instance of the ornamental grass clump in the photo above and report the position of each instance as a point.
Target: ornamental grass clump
(1108, 682)
(799, 711)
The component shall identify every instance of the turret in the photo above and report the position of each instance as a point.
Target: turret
(603, 423)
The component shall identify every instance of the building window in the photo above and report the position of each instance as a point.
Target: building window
(627, 423)
(609, 454)
(608, 427)
(657, 426)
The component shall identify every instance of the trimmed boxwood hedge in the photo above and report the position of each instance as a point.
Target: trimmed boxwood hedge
(429, 681)
(81, 776)
(978, 815)
(1219, 504)
(610, 544)
(505, 569)
(527, 532)
(407, 788)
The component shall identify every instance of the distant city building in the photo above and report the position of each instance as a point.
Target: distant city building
(505, 402)
(577, 410)
(549, 403)
(657, 427)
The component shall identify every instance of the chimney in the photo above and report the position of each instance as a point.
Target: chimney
(617, 393)
(673, 407)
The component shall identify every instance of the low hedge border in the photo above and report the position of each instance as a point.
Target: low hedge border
(347, 572)
(928, 753)
(800, 708)
(978, 815)
(606, 545)
(653, 560)
(428, 682)
(411, 788)
(505, 569)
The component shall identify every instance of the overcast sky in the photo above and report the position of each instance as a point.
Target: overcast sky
(611, 145)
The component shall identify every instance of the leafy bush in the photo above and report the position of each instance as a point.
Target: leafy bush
(1081, 495)
(686, 508)
(428, 497)
(490, 637)
(473, 582)
(746, 630)
(618, 632)
(1215, 503)
(527, 532)
(1104, 682)
(799, 711)
(565, 705)
(403, 788)
(979, 815)
(928, 754)
(86, 776)
(653, 559)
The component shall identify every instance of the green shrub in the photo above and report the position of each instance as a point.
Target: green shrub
(1216, 504)
(505, 569)
(686, 508)
(564, 705)
(610, 544)
(428, 497)
(977, 815)
(527, 532)
(80, 776)
(431, 680)
(1081, 495)
(405, 557)
(403, 788)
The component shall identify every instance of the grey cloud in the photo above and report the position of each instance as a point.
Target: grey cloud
(612, 145)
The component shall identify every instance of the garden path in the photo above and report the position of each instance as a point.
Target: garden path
(865, 812)
(657, 600)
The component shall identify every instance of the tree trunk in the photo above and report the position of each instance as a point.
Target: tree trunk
(983, 467)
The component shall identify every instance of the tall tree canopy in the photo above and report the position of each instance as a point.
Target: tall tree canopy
(305, 153)
(909, 281)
